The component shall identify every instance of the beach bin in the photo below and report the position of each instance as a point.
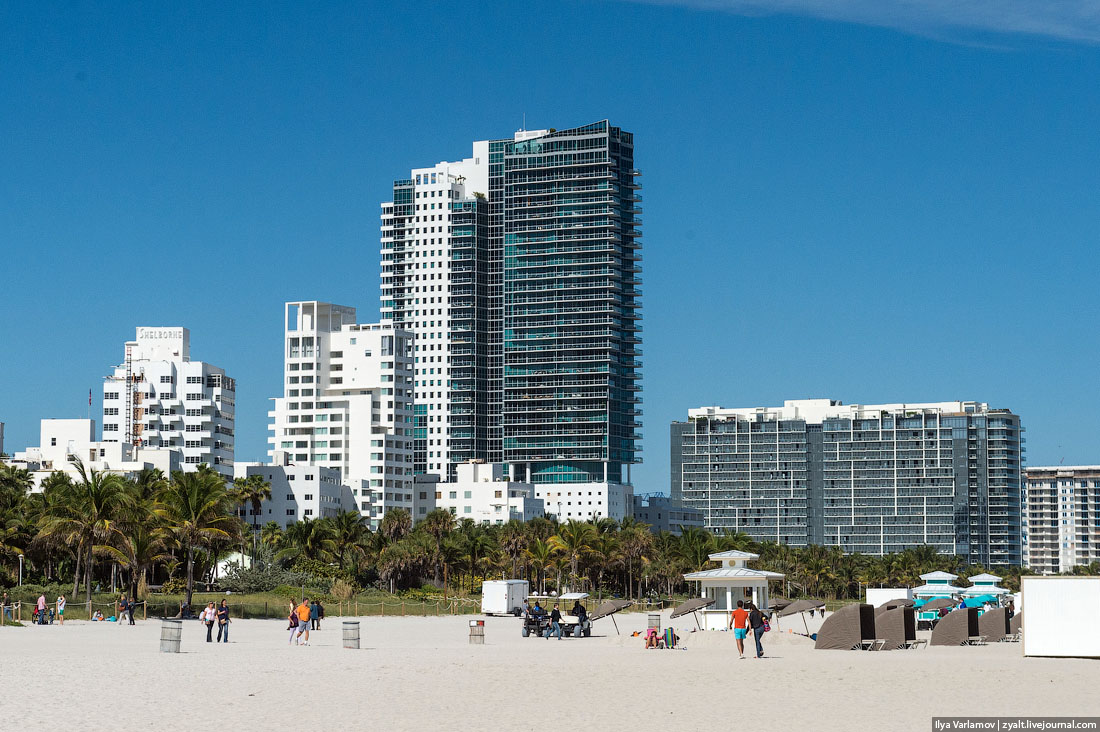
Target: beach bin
(477, 632)
(170, 633)
(655, 621)
(351, 634)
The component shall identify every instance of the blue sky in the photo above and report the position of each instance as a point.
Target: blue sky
(839, 202)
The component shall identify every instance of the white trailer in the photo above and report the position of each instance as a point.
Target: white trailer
(879, 596)
(503, 597)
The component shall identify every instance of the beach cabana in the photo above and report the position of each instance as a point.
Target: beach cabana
(730, 582)
(956, 628)
(847, 628)
(993, 624)
(1016, 623)
(985, 584)
(897, 626)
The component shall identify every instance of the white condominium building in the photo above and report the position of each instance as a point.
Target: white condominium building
(159, 397)
(63, 443)
(587, 501)
(1061, 517)
(482, 492)
(347, 403)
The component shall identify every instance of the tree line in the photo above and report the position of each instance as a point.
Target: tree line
(156, 529)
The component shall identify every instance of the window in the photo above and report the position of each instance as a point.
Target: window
(110, 428)
(110, 395)
(194, 379)
(167, 380)
(466, 494)
(53, 440)
(109, 412)
(194, 397)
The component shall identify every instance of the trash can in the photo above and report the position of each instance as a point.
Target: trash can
(655, 621)
(477, 632)
(351, 634)
(170, 633)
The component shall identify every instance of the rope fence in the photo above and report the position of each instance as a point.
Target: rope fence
(279, 610)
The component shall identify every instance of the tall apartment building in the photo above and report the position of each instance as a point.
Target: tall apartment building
(159, 397)
(517, 269)
(1061, 517)
(347, 403)
(297, 492)
(868, 478)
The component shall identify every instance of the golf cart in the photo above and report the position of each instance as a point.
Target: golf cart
(571, 625)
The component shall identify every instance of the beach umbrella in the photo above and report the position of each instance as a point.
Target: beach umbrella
(979, 600)
(609, 608)
(800, 607)
(778, 603)
(692, 606)
(938, 603)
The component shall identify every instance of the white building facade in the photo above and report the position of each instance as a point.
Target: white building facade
(483, 493)
(159, 398)
(1061, 517)
(347, 403)
(63, 443)
(297, 492)
(587, 501)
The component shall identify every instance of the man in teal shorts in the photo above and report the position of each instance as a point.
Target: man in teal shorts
(739, 621)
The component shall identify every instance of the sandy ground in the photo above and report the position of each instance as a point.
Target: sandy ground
(422, 674)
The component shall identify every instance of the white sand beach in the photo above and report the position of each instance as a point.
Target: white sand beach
(422, 674)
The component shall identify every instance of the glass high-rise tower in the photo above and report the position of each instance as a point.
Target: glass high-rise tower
(518, 271)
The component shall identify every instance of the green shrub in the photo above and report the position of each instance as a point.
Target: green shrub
(239, 580)
(174, 586)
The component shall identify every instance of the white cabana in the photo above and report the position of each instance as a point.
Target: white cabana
(937, 584)
(985, 584)
(730, 582)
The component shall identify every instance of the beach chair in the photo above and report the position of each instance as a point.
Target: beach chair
(1014, 638)
(976, 640)
(914, 644)
(668, 639)
(873, 644)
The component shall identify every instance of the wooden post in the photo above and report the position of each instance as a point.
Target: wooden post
(145, 610)
(356, 608)
(402, 608)
(383, 603)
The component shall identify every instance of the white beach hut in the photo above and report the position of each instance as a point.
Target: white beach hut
(730, 582)
(985, 584)
(937, 584)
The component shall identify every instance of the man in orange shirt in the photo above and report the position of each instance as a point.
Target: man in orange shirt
(303, 622)
(739, 620)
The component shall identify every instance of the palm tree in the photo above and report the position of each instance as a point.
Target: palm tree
(272, 536)
(635, 543)
(84, 516)
(197, 508)
(349, 536)
(308, 539)
(396, 524)
(438, 525)
(513, 542)
(253, 491)
(541, 555)
(138, 547)
(574, 541)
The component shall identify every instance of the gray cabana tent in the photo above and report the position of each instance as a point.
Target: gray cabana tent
(1016, 622)
(993, 624)
(897, 627)
(847, 628)
(956, 628)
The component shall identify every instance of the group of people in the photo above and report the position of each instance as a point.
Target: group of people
(304, 617)
(554, 627)
(748, 618)
(219, 614)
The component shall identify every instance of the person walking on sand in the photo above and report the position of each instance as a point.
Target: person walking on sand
(739, 620)
(303, 623)
(208, 616)
(130, 607)
(223, 621)
(122, 605)
(555, 623)
(61, 609)
(292, 620)
(42, 609)
(314, 615)
(6, 602)
(756, 621)
(320, 613)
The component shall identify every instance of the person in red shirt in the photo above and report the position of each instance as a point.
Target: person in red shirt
(739, 621)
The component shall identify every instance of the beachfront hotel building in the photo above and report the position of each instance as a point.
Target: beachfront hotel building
(1061, 517)
(64, 444)
(664, 513)
(517, 269)
(480, 492)
(159, 398)
(868, 478)
(347, 403)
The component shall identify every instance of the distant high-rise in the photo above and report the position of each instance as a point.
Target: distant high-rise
(517, 269)
(868, 478)
(1061, 517)
(159, 397)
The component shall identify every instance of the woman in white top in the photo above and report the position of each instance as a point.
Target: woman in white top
(61, 609)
